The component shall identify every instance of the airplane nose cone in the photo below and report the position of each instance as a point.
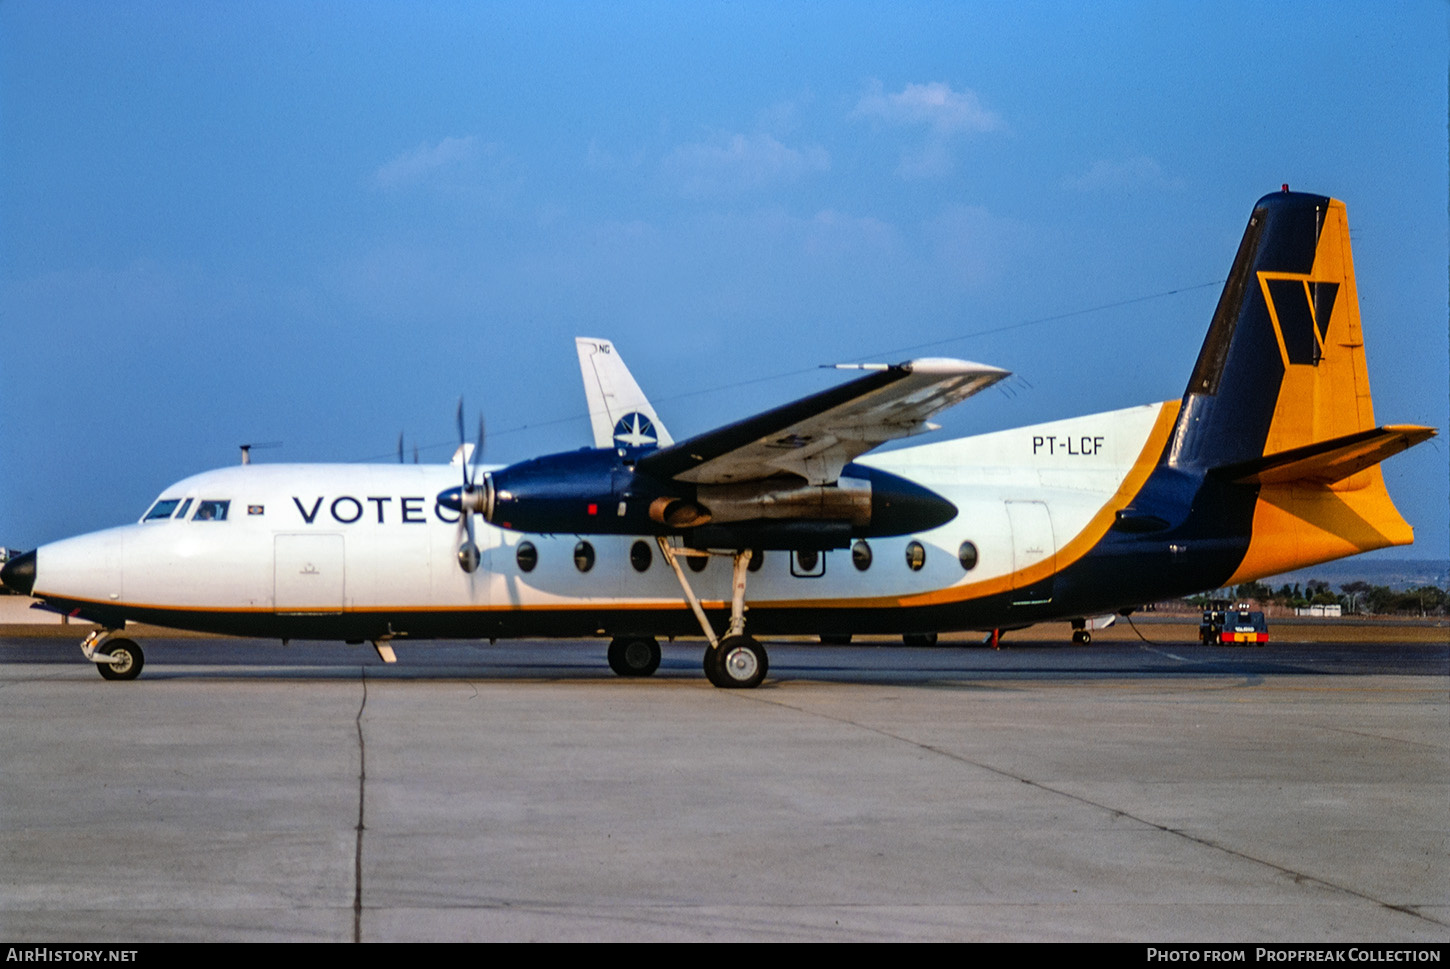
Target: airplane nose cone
(18, 574)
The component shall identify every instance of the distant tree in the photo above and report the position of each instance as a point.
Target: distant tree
(1254, 590)
(1355, 591)
(1427, 600)
(1379, 599)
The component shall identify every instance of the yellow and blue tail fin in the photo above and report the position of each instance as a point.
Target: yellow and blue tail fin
(1280, 398)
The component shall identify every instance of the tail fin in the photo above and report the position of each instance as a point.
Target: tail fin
(1283, 365)
(619, 413)
(1280, 395)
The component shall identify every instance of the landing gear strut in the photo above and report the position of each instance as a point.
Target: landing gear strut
(115, 658)
(736, 661)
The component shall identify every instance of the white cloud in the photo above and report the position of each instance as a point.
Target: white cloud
(426, 160)
(1137, 172)
(934, 105)
(736, 162)
(933, 160)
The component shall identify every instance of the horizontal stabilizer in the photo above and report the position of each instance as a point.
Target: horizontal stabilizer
(1328, 461)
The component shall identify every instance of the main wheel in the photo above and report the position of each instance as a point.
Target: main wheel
(126, 659)
(1082, 637)
(919, 639)
(738, 663)
(634, 655)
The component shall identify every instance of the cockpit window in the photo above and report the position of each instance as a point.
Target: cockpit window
(211, 510)
(181, 512)
(162, 509)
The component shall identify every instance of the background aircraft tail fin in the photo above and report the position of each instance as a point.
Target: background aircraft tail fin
(619, 413)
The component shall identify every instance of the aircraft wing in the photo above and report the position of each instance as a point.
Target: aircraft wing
(817, 436)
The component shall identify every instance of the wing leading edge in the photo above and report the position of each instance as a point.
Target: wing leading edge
(817, 436)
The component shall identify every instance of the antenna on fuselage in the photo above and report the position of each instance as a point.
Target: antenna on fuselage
(247, 449)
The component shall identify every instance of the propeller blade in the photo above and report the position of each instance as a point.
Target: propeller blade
(400, 447)
(463, 464)
(477, 451)
(468, 555)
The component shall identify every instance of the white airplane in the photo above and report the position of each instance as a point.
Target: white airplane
(1268, 463)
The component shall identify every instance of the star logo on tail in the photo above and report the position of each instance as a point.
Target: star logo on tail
(635, 430)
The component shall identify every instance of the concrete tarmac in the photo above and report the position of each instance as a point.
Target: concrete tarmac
(1124, 791)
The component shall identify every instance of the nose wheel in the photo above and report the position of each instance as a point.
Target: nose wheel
(115, 659)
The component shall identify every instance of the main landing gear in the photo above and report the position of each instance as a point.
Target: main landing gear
(634, 655)
(116, 657)
(736, 661)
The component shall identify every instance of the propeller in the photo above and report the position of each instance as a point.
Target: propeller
(470, 496)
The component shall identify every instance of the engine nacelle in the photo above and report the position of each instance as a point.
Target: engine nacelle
(599, 492)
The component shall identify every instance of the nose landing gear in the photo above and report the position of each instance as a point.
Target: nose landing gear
(116, 658)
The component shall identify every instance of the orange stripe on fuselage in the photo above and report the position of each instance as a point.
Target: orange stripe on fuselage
(1078, 546)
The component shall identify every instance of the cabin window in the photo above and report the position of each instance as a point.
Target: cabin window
(806, 559)
(861, 556)
(915, 556)
(162, 509)
(640, 556)
(527, 556)
(583, 556)
(697, 563)
(967, 555)
(211, 510)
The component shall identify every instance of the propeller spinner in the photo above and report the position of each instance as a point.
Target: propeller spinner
(468, 499)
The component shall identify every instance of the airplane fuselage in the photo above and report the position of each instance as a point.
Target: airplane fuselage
(367, 551)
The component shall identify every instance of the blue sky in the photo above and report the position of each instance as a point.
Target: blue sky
(321, 223)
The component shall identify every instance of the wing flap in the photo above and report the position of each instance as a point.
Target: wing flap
(817, 436)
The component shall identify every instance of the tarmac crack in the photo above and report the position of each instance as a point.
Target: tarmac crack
(1298, 877)
(362, 781)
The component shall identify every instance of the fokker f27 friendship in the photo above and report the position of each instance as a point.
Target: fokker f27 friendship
(1269, 462)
